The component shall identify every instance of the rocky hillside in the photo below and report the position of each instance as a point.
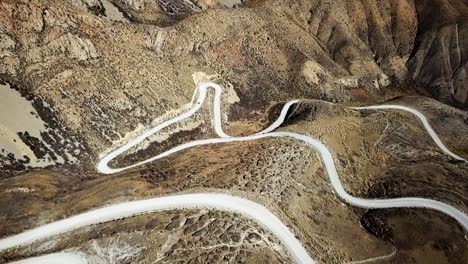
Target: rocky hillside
(379, 154)
(104, 64)
(439, 57)
(79, 77)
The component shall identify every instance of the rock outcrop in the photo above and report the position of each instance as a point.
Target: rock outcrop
(439, 60)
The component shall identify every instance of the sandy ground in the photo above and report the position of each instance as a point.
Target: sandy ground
(18, 115)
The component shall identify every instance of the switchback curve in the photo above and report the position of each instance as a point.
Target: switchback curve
(291, 243)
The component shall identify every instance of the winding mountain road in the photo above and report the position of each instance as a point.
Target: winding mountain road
(421, 118)
(55, 258)
(227, 202)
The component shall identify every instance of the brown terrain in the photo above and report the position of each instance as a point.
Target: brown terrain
(81, 77)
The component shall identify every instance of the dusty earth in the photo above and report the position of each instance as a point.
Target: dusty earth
(80, 77)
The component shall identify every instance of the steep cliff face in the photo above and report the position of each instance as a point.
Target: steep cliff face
(439, 58)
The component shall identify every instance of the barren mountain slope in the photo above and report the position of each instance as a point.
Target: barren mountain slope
(105, 77)
(89, 75)
(285, 175)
